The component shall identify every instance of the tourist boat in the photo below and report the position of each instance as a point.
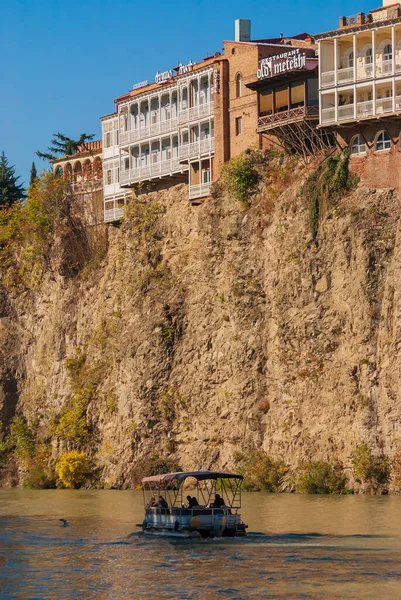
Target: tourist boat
(193, 504)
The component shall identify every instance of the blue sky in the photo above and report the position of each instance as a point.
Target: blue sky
(64, 61)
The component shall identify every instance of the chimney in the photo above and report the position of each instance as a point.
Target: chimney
(242, 30)
(389, 2)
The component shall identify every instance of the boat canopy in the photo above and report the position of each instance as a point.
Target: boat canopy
(198, 475)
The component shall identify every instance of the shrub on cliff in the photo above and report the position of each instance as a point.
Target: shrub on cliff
(239, 178)
(321, 477)
(22, 438)
(396, 470)
(260, 471)
(327, 185)
(73, 468)
(369, 469)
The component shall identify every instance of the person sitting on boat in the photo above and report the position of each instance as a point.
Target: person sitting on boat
(218, 502)
(151, 503)
(162, 503)
(191, 502)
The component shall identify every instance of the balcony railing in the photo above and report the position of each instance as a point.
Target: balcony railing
(384, 105)
(113, 214)
(364, 71)
(184, 116)
(328, 78)
(384, 14)
(364, 109)
(195, 112)
(157, 169)
(345, 113)
(199, 191)
(344, 75)
(384, 67)
(196, 148)
(328, 115)
(293, 114)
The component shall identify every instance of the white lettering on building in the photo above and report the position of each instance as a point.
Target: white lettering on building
(141, 84)
(185, 68)
(281, 63)
(161, 77)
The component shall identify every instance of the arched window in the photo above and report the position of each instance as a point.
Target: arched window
(388, 52)
(351, 59)
(238, 85)
(369, 56)
(358, 145)
(383, 141)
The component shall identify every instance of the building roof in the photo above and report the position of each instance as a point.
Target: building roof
(280, 40)
(88, 149)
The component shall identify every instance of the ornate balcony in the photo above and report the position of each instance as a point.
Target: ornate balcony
(199, 191)
(150, 171)
(287, 117)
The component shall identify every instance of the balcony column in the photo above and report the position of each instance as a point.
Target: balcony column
(355, 100)
(335, 79)
(355, 51)
(335, 61)
(393, 92)
(373, 53)
(393, 49)
(374, 97)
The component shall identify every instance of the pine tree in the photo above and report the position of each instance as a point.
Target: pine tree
(63, 145)
(10, 190)
(34, 174)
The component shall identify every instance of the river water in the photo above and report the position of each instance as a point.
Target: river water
(307, 547)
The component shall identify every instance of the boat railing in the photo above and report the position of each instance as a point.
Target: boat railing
(196, 511)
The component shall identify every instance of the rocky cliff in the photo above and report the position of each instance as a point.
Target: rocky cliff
(213, 329)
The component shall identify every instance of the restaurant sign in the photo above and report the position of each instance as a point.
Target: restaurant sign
(281, 63)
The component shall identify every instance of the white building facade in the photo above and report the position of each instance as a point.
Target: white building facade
(160, 131)
(360, 68)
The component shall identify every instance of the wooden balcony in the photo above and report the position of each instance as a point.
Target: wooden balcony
(286, 117)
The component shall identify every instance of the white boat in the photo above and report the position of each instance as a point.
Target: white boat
(193, 504)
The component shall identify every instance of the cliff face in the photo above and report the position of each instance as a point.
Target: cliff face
(213, 329)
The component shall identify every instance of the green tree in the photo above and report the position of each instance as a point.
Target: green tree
(62, 145)
(33, 175)
(10, 190)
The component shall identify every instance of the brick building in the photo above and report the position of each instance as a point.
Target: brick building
(360, 91)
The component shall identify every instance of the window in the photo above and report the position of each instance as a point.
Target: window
(351, 59)
(108, 140)
(238, 126)
(358, 145)
(238, 85)
(388, 52)
(383, 141)
(109, 177)
(206, 176)
(369, 56)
